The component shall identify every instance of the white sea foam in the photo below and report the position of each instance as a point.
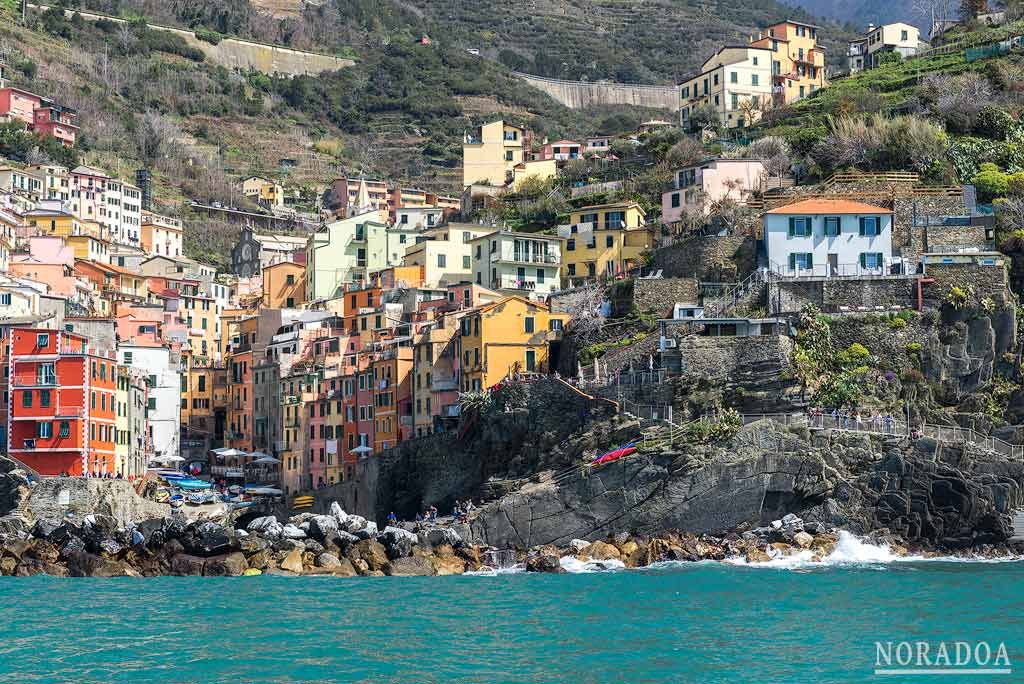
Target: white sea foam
(488, 571)
(853, 551)
(574, 565)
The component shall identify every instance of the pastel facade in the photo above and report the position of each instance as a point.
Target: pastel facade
(263, 192)
(491, 152)
(344, 252)
(797, 61)
(509, 337)
(528, 264)
(735, 82)
(866, 52)
(695, 188)
(828, 238)
(284, 285)
(604, 241)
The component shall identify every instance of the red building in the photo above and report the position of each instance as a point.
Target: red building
(57, 122)
(61, 402)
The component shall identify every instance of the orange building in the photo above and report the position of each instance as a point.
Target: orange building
(61, 403)
(284, 285)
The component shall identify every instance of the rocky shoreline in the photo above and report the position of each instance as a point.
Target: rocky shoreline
(344, 545)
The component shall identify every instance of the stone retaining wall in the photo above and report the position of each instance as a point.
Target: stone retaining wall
(720, 357)
(725, 259)
(659, 295)
(984, 281)
(835, 295)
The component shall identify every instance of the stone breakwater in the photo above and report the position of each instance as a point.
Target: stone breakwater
(344, 545)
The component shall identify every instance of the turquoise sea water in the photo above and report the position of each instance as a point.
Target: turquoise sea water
(686, 623)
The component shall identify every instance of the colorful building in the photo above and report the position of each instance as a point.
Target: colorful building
(605, 241)
(61, 403)
(735, 83)
(284, 285)
(798, 62)
(507, 338)
(518, 263)
(491, 152)
(696, 188)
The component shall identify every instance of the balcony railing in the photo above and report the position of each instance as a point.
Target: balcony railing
(69, 411)
(35, 380)
(444, 384)
(527, 284)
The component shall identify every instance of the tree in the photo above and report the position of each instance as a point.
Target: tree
(686, 152)
(125, 37)
(970, 9)
(153, 133)
(775, 152)
(584, 306)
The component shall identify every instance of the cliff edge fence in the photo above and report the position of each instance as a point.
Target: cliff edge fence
(235, 53)
(583, 94)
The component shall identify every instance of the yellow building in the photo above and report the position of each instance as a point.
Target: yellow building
(604, 240)
(536, 168)
(444, 262)
(264, 192)
(735, 82)
(798, 62)
(90, 248)
(507, 337)
(284, 285)
(53, 222)
(201, 319)
(491, 152)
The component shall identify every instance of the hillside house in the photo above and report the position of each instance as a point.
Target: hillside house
(867, 51)
(695, 188)
(797, 61)
(826, 237)
(736, 82)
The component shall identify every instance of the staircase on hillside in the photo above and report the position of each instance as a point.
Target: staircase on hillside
(1018, 526)
(744, 293)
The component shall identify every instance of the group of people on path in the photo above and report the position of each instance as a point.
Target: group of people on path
(853, 419)
(459, 514)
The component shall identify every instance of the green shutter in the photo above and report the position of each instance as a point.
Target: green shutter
(792, 226)
(863, 256)
(792, 259)
(810, 260)
(862, 225)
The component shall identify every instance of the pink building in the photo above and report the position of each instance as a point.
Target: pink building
(561, 150)
(57, 122)
(695, 188)
(48, 261)
(19, 104)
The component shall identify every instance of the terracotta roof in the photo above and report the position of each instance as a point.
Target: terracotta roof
(829, 206)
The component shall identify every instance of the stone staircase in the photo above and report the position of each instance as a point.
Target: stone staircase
(748, 293)
(762, 387)
(1018, 526)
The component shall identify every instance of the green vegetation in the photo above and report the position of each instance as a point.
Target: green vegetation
(705, 431)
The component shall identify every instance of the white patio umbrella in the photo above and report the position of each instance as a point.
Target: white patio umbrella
(230, 453)
(361, 449)
(267, 459)
(172, 459)
(259, 455)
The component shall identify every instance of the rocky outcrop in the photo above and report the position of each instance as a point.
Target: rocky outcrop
(939, 498)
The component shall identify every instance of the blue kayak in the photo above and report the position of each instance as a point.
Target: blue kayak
(192, 484)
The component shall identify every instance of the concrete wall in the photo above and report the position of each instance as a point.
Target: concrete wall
(244, 54)
(582, 94)
(710, 258)
(720, 357)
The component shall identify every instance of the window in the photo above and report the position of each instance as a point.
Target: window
(716, 79)
(528, 322)
(799, 226)
(442, 260)
(290, 303)
(508, 155)
(872, 260)
(870, 226)
(289, 279)
(675, 200)
(801, 260)
(44, 398)
(904, 36)
(45, 374)
(26, 398)
(43, 341)
(555, 324)
(570, 245)
(832, 226)
(540, 276)
(572, 269)
(128, 358)
(754, 78)
(734, 101)
(734, 77)
(5, 299)
(65, 429)
(755, 62)
(44, 430)
(531, 361)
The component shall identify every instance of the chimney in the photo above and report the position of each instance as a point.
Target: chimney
(871, 27)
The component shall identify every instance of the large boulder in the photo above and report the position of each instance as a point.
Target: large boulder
(413, 566)
(397, 542)
(339, 515)
(229, 565)
(438, 536)
(544, 562)
(187, 565)
(293, 562)
(209, 539)
(599, 550)
(371, 552)
(291, 531)
(322, 527)
(448, 564)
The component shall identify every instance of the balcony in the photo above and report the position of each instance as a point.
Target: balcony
(405, 420)
(35, 380)
(523, 258)
(69, 411)
(526, 285)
